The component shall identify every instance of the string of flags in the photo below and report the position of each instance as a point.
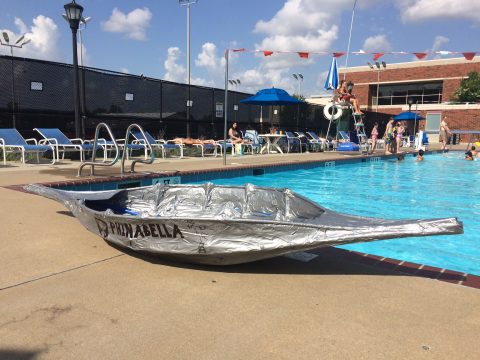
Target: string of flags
(468, 55)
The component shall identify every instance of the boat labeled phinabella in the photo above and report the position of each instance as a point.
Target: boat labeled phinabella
(223, 225)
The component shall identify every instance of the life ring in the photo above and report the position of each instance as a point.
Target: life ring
(332, 111)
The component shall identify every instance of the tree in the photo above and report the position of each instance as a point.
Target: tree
(469, 90)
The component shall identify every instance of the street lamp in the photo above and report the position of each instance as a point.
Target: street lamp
(235, 105)
(299, 78)
(187, 3)
(83, 103)
(18, 44)
(377, 68)
(73, 13)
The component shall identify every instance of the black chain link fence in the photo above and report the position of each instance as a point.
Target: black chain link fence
(40, 94)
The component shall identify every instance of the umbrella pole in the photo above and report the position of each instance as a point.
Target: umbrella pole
(225, 115)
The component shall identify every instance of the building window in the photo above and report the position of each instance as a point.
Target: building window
(128, 97)
(399, 94)
(36, 85)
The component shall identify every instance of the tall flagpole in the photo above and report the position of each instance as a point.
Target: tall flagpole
(349, 38)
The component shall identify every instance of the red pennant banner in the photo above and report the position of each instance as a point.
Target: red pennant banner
(338, 54)
(267, 52)
(377, 56)
(469, 55)
(303, 55)
(420, 56)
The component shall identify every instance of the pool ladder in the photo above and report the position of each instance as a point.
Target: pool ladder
(126, 146)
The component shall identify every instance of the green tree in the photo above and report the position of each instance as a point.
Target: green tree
(469, 90)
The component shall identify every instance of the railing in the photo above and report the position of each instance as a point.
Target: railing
(125, 149)
(92, 163)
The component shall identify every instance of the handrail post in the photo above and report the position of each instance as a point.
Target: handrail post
(125, 149)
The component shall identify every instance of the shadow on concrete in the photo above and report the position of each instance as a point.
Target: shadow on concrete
(329, 261)
(15, 354)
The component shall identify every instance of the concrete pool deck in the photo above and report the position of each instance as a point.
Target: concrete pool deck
(65, 293)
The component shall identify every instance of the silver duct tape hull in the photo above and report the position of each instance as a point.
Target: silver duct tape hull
(221, 225)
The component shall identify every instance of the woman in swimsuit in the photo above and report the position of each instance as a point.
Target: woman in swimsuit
(374, 137)
(346, 95)
(399, 136)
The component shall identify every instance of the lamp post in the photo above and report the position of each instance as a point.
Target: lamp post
(73, 11)
(299, 78)
(18, 44)
(377, 68)
(235, 105)
(187, 3)
(83, 103)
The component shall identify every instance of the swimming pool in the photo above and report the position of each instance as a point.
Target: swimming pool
(443, 185)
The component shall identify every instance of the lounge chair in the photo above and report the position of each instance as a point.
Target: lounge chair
(163, 145)
(327, 144)
(292, 140)
(313, 144)
(62, 143)
(11, 141)
(255, 144)
(345, 136)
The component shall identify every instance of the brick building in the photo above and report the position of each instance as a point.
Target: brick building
(428, 86)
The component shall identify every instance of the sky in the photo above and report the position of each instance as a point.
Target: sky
(149, 36)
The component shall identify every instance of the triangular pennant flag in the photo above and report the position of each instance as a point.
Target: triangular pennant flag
(303, 55)
(338, 54)
(377, 56)
(267, 52)
(469, 55)
(238, 50)
(419, 55)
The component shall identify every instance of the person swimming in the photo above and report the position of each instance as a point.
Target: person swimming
(469, 156)
(420, 155)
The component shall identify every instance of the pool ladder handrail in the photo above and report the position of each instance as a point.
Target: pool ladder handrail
(125, 149)
(92, 163)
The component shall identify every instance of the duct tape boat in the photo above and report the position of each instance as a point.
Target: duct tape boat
(222, 225)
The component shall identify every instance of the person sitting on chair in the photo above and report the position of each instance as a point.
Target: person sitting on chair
(235, 135)
(345, 92)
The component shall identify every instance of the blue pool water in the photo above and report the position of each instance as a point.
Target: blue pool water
(443, 185)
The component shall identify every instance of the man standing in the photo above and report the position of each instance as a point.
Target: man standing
(444, 133)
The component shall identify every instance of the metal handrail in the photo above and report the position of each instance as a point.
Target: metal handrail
(92, 163)
(125, 149)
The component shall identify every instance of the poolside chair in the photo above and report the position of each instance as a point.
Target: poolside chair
(293, 141)
(327, 143)
(345, 136)
(163, 145)
(12, 142)
(314, 145)
(227, 146)
(255, 144)
(108, 146)
(62, 143)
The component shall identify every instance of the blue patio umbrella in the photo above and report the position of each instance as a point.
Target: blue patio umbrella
(332, 79)
(273, 96)
(408, 116)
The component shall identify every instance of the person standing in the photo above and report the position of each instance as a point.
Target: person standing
(399, 136)
(388, 137)
(374, 137)
(444, 133)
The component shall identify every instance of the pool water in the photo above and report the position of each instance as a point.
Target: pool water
(443, 185)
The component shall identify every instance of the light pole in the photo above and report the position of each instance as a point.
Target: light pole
(235, 105)
(74, 12)
(18, 44)
(187, 3)
(83, 103)
(299, 78)
(377, 68)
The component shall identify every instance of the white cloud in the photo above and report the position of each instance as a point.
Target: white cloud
(438, 42)
(209, 59)
(43, 35)
(420, 10)
(174, 71)
(377, 43)
(124, 70)
(133, 25)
